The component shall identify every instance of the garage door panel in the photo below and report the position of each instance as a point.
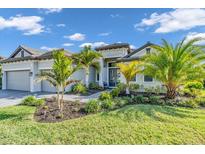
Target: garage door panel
(47, 87)
(18, 80)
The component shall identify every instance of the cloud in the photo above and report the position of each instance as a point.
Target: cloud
(178, 19)
(193, 35)
(76, 37)
(68, 44)
(105, 34)
(115, 16)
(48, 48)
(61, 25)
(132, 46)
(51, 10)
(93, 45)
(30, 25)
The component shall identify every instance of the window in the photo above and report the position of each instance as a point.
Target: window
(111, 64)
(134, 79)
(148, 50)
(22, 53)
(148, 78)
(97, 77)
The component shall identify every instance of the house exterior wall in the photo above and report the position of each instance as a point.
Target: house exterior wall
(35, 67)
(140, 77)
(108, 55)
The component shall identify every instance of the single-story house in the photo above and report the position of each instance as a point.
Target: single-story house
(21, 68)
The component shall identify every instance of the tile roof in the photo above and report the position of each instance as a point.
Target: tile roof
(113, 46)
(36, 55)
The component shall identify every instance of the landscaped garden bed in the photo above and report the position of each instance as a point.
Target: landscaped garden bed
(49, 112)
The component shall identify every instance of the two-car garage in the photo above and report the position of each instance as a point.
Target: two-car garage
(18, 80)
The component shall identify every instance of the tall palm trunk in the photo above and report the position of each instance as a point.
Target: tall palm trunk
(127, 88)
(58, 97)
(62, 102)
(171, 91)
(87, 77)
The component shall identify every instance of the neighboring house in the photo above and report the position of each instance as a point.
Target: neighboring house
(1, 58)
(21, 68)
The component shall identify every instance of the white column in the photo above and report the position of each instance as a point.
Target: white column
(101, 72)
(34, 85)
(4, 80)
(32, 77)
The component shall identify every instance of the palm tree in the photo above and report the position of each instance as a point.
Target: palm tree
(129, 71)
(175, 65)
(86, 58)
(59, 75)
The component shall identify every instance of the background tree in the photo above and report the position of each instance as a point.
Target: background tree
(59, 75)
(129, 71)
(176, 65)
(86, 58)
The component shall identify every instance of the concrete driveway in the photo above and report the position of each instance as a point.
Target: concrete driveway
(12, 97)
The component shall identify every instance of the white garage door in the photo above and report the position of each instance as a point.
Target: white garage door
(18, 80)
(46, 87)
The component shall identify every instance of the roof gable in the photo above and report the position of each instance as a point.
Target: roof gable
(139, 49)
(29, 51)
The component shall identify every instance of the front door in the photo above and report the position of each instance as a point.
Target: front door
(113, 77)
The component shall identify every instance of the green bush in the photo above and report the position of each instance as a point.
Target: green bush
(128, 99)
(121, 87)
(92, 106)
(138, 99)
(189, 103)
(107, 104)
(134, 86)
(105, 95)
(79, 88)
(32, 101)
(200, 101)
(193, 85)
(95, 86)
(119, 102)
(155, 100)
(115, 92)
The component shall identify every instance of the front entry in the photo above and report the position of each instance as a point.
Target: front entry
(113, 77)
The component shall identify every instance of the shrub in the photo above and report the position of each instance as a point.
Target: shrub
(189, 103)
(138, 99)
(155, 100)
(79, 88)
(95, 86)
(115, 92)
(134, 86)
(105, 95)
(107, 104)
(121, 87)
(119, 102)
(200, 101)
(128, 99)
(32, 101)
(92, 106)
(194, 85)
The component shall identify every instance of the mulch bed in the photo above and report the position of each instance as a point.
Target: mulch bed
(50, 113)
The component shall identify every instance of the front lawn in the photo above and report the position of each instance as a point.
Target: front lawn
(134, 124)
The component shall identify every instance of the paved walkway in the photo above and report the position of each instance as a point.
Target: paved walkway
(11, 97)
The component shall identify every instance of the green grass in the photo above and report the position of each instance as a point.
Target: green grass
(137, 124)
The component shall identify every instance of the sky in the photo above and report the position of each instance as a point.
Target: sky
(72, 29)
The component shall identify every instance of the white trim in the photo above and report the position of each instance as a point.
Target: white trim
(17, 69)
(45, 68)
